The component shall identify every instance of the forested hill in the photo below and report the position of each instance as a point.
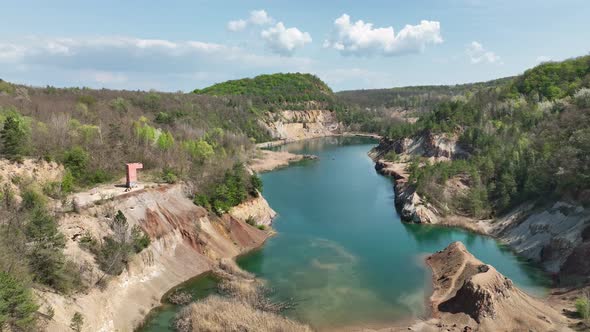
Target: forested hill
(525, 140)
(415, 97)
(275, 88)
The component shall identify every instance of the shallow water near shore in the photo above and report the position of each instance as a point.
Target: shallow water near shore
(341, 253)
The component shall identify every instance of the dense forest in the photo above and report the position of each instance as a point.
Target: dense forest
(527, 139)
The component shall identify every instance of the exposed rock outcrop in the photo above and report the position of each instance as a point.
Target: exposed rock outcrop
(297, 125)
(435, 147)
(256, 208)
(552, 235)
(472, 294)
(410, 206)
(185, 241)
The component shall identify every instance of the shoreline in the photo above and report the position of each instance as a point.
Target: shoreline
(396, 325)
(272, 144)
(211, 271)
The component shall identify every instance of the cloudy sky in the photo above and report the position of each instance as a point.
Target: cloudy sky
(182, 45)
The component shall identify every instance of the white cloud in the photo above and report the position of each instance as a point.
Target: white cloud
(478, 54)
(260, 17)
(126, 62)
(257, 17)
(237, 25)
(283, 40)
(543, 58)
(360, 38)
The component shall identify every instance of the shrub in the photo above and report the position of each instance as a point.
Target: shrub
(251, 221)
(261, 227)
(119, 104)
(88, 242)
(391, 156)
(169, 176)
(77, 322)
(31, 199)
(87, 100)
(151, 101)
(202, 200)
(67, 182)
(76, 160)
(582, 98)
(583, 308)
(139, 238)
(164, 118)
(98, 176)
(52, 189)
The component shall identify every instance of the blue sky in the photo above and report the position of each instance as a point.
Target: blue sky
(182, 45)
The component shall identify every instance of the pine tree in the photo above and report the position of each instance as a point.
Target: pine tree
(14, 136)
(17, 306)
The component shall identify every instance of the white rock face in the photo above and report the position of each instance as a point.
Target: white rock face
(548, 236)
(256, 208)
(298, 125)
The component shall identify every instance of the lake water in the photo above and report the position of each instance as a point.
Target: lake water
(341, 252)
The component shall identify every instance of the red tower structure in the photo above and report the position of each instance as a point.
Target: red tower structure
(132, 174)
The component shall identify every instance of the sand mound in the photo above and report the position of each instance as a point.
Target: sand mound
(470, 293)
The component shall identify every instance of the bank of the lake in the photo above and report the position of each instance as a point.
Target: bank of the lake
(341, 252)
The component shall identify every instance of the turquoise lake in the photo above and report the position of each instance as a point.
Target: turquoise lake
(341, 252)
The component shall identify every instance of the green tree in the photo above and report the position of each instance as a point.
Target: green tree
(76, 160)
(199, 150)
(17, 306)
(67, 182)
(165, 141)
(255, 185)
(46, 258)
(14, 136)
(77, 322)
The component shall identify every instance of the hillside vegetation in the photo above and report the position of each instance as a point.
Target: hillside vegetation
(421, 98)
(90, 135)
(527, 139)
(292, 89)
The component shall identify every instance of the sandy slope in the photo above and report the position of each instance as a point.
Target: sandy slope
(469, 293)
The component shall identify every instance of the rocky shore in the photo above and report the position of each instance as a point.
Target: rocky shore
(550, 234)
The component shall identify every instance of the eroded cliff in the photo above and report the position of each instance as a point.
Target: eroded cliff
(289, 125)
(185, 241)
